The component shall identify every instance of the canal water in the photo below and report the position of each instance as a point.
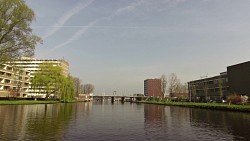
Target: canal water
(120, 122)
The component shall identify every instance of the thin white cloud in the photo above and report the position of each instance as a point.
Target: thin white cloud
(91, 24)
(118, 12)
(66, 17)
(75, 36)
(129, 8)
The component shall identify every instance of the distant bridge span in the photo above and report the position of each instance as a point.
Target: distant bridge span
(118, 98)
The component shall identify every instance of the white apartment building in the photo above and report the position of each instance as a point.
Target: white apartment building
(32, 65)
(14, 82)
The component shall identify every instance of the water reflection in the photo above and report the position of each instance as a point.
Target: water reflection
(234, 124)
(179, 123)
(34, 122)
(106, 121)
(164, 122)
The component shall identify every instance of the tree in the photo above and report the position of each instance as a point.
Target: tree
(47, 79)
(82, 89)
(77, 85)
(50, 79)
(220, 88)
(163, 84)
(194, 91)
(88, 88)
(16, 37)
(172, 80)
(205, 88)
(180, 88)
(67, 89)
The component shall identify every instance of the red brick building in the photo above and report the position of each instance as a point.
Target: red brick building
(152, 87)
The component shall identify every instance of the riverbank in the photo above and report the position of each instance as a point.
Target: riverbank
(26, 102)
(212, 106)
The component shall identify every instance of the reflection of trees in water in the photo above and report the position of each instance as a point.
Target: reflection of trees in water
(48, 121)
(233, 123)
(34, 122)
(172, 122)
(11, 119)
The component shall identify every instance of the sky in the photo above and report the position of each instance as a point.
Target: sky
(117, 44)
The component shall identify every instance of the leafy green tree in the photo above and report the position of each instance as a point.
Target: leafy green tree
(67, 92)
(50, 79)
(16, 37)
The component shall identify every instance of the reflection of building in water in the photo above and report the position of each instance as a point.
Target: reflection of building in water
(155, 121)
(38, 122)
(12, 121)
(166, 122)
(154, 113)
(230, 123)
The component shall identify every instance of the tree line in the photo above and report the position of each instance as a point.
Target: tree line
(172, 84)
(81, 88)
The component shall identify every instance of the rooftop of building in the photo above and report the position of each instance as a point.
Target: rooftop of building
(247, 62)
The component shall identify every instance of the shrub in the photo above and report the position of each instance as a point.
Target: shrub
(235, 99)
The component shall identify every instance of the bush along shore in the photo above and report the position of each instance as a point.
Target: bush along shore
(213, 106)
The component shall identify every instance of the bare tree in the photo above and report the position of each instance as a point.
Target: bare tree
(220, 82)
(77, 85)
(178, 86)
(205, 88)
(194, 91)
(172, 80)
(184, 88)
(82, 89)
(88, 88)
(163, 84)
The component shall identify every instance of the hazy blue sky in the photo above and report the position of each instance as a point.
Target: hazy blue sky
(116, 44)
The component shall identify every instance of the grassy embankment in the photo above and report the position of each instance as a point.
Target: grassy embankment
(26, 102)
(213, 106)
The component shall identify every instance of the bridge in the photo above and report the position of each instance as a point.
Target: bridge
(114, 98)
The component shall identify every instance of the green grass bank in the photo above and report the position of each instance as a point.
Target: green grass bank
(212, 106)
(26, 102)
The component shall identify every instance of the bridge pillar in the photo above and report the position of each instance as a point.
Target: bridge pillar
(123, 99)
(112, 99)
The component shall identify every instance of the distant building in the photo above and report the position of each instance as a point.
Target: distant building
(85, 97)
(152, 87)
(14, 82)
(235, 80)
(179, 95)
(209, 88)
(32, 65)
